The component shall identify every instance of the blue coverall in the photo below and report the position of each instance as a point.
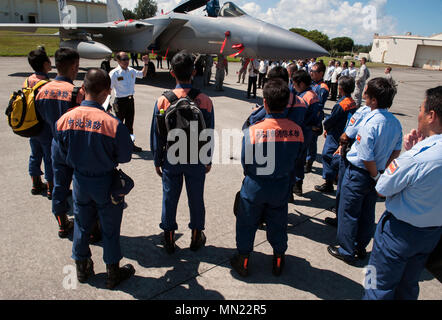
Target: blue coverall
(93, 143)
(322, 90)
(265, 194)
(334, 125)
(312, 117)
(173, 174)
(41, 144)
(54, 100)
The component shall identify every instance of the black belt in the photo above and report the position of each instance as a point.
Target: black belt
(353, 167)
(126, 98)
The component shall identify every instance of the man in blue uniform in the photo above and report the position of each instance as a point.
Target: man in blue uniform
(173, 174)
(266, 187)
(321, 89)
(411, 226)
(334, 127)
(51, 103)
(40, 144)
(345, 143)
(378, 142)
(93, 143)
(301, 83)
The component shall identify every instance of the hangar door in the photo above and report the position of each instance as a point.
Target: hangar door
(428, 57)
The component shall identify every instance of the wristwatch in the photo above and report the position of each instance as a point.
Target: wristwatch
(377, 176)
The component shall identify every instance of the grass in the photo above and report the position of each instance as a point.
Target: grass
(13, 43)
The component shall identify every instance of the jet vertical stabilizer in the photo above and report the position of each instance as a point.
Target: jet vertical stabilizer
(114, 12)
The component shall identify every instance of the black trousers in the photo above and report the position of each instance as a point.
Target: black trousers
(124, 109)
(261, 80)
(334, 91)
(252, 82)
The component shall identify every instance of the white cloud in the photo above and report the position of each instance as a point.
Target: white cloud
(336, 18)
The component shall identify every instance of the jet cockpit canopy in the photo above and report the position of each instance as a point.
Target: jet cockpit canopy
(230, 9)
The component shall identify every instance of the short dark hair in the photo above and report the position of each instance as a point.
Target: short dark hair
(96, 81)
(118, 55)
(37, 59)
(382, 90)
(279, 73)
(292, 67)
(302, 76)
(277, 94)
(182, 65)
(320, 67)
(389, 68)
(65, 58)
(433, 101)
(347, 84)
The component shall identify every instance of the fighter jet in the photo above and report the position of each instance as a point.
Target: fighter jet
(232, 32)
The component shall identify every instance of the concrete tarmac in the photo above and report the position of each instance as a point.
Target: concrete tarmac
(36, 264)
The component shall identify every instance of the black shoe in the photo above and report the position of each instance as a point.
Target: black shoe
(308, 167)
(169, 241)
(198, 240)
(115, 274)
(327, 187)
(278, 264)
(361, 254)
(240, 264)
(331, 222)
(37, 185)
(297, 188)
(335, 253)
(333, 209)
(137, 149)
(65, 225)
(85, 269)
(291, 198)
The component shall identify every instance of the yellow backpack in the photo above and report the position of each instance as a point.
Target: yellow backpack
(23, 118)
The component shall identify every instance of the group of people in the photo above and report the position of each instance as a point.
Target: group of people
(362, 152)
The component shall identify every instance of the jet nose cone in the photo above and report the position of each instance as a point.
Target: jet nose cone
(279, 43)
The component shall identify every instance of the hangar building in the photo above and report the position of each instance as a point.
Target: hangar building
(46, 11)
(408, 50)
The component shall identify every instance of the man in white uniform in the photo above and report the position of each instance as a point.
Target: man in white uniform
(123, 80)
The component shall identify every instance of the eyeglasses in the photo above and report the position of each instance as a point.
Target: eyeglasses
(124, 59)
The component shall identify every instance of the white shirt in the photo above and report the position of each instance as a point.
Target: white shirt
(253, 65)
(335, 74)
(329, 73)
(123, 81)
(263, 66)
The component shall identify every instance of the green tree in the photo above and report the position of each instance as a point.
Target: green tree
(314, 35)
(146, 9)
(342, 44)
(129, 14)
(320, 38)
(300, 31)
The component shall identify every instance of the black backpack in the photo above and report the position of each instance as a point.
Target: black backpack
(180, 114)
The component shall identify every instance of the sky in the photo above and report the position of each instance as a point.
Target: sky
(358, 19)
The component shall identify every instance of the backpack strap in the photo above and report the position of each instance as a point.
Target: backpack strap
(75, 92)
(170, 96)
(193, 93)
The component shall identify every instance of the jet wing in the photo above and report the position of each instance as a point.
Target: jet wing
(190, 5)
(117, 26)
